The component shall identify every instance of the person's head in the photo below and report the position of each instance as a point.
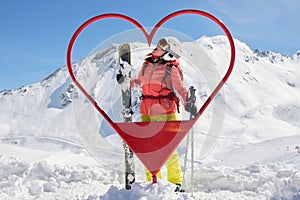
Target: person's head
(168, 48)
(158, 52)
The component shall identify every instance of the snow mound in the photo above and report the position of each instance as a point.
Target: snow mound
(21, 179)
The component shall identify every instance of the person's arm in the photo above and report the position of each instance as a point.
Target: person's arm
(136, 82)
(181, 92)
(177, 85)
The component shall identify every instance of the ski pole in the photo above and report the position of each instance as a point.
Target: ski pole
(192, 98)
(192, 156)
(185, 158)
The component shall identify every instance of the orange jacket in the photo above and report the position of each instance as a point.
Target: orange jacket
(158, 86)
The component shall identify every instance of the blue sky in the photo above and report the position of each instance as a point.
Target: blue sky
(35, 34)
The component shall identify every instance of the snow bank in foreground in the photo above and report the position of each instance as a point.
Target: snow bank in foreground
(23, 180)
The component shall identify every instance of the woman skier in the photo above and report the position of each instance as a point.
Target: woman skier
(161, 81)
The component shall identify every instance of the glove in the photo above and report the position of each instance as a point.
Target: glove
(120, 78)
(191, 108)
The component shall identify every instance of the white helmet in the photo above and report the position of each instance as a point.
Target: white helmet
(172, 45)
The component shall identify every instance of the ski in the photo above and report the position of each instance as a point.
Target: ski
(123, 78)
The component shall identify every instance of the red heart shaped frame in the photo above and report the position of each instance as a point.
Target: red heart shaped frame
(155, 150)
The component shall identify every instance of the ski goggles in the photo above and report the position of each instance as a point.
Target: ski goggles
(163, 44)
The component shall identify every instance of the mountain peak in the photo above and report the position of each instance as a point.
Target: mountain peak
(296, 55)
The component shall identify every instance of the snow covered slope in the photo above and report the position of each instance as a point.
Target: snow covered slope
(246, 143)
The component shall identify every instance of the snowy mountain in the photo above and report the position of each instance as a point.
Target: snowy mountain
(54, 143)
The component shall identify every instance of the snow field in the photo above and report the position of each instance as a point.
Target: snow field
(245, 143)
